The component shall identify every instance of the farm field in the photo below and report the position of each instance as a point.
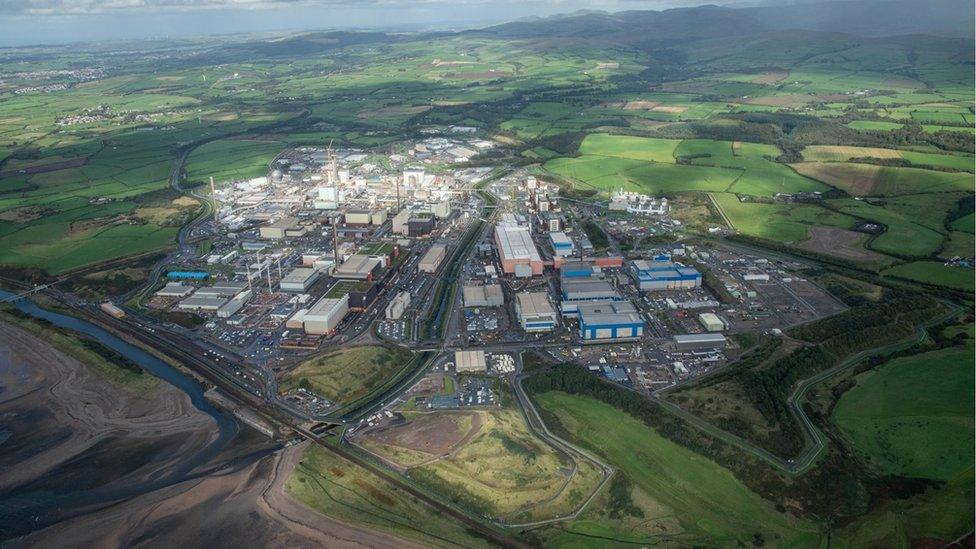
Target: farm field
(777, 221)
(934, 272)
(229, 160)
(685, 498)
(912, 416)
(346, 374)
(875, 180)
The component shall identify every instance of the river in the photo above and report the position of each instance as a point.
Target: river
(25, 510)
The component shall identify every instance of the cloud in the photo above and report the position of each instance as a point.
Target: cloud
(79, 7)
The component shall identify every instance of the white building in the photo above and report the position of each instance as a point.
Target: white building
(325, 315)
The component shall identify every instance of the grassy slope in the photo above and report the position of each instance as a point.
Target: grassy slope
(710, 504)
(347, 374)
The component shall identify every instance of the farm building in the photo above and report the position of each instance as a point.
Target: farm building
(470, 361)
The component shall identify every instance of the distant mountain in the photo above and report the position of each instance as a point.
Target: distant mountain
(953, 18)
(869, 18)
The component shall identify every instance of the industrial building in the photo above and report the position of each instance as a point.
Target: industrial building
(663, 274)
(358, 267)
(609, 321)
(535, 313)
(562, 246)
(300, 280)
(515, 247)
(234, 305)
(397, 306)
(432, 259)
(362, 295)
(174, 289)
(324, 316)
(489, 295)
(358, 217)
(420, 224)
(578, 269)
(711, 322)
(282, 228)
(202, 303)
(698, 342)
(400, 221)
(470, 361)
(584, 289)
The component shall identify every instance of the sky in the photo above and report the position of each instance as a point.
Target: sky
(30, 22)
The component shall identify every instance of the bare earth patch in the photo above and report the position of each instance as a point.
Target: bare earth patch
(24, 214)
(674, 109)
(770, 77)
(640, 105)
(436, 434)
(857, 179)
(839, 243)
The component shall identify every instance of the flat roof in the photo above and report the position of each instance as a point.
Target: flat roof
(606, 313)
(357, 265)
(300, 275)
(516, 243)
(560, 238)
(325, 306)
(470, 360)
(481, 293)
(535, 303)
(699, 338)
(586, 285)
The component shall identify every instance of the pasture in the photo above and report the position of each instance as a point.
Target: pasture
(934, 272)
(685, 498)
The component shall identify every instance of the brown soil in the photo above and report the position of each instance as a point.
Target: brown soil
(640, 105)
(857, 179)
(669, 109)
(838, 243)
(434, 433)
(24, 214)
(770, 77)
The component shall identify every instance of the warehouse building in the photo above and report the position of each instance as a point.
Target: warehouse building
(300, 280)
(562, 246)
(202, 303)
(470, 361)
(711, 322)
(489, 295)
(325, 315)
(432, 259)
(398, 305)
(578, 269)
(282, 228)
(358, 267)
(663, 274)
(174, 289)
(587, 289)
(515, 247)
(358, 217)
(535, 313)
(234, 305)
(609, 321)
(699, 342)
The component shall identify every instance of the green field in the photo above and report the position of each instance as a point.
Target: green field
(346, 374)
(230, 160)
(778, 221)
(337, 488)
(912, 416)
(933, 272)
(699, 500)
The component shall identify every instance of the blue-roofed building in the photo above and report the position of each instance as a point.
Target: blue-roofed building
(576, 269)
(661, 273)
(562, 246)
(602, 321)
(188, 275)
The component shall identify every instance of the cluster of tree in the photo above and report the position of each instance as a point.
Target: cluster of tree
(621, 502)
